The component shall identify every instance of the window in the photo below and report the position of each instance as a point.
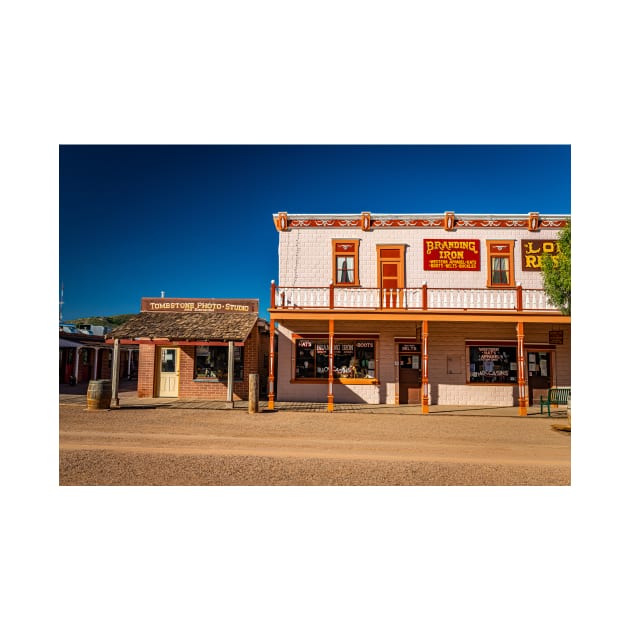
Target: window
(500, 263)
(353, 359)
(211, 363)
(345, 262)
(492, 364)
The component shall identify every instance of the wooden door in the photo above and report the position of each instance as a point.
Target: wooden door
(391, 275)
(168, 382)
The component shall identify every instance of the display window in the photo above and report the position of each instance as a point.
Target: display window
(353, 359)
(211, 363)
(492, 364)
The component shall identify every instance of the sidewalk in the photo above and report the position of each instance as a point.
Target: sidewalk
(77, 395)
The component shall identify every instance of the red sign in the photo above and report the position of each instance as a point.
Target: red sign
(451, 255)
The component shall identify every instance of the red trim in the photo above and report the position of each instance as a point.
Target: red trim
(169, 342)
(460, 222)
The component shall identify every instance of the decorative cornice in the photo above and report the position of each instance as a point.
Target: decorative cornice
(449, 221)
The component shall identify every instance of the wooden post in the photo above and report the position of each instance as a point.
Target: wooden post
(271, 377)
(272, 301)
(519, 297)
(425, 366)
(115, 404)
(230, 387)
(520, 357)
(331, 363)
(253, 393)
(331, 296)
(425, 297)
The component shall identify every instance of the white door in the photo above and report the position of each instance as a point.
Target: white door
(169, 373)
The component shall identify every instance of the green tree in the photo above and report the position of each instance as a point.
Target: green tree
(556, 272)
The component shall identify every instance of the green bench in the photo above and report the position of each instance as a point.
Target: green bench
(555, 396)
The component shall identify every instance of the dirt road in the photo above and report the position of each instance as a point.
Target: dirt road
(211, 447)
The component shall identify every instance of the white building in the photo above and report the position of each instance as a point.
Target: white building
(427, 309)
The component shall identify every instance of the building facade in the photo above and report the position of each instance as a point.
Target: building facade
(426, 309)
(197, 348)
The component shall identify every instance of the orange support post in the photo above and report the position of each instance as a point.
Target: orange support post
(425, 366)
(331, 363)
(272, 354)
(520, 357)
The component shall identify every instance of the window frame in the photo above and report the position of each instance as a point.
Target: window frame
(316, 340)
(507, 255)
(354, 244)
(501, 347)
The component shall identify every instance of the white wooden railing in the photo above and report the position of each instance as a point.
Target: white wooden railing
(419, 298)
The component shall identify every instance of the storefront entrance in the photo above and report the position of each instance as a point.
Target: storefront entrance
(539, 377)
(168, 382)
(409, 383)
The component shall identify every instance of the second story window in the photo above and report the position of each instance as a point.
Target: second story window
(500, 263)
(345, 262)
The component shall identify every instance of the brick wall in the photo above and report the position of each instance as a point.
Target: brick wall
(190, 388)
(146, 364)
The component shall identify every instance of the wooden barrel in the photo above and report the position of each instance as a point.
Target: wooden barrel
(99, 394)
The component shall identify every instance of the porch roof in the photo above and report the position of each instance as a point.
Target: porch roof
(210, 326)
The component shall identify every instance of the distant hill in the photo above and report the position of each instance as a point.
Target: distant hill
(111, 321)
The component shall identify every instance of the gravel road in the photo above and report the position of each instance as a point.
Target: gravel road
(233, 448)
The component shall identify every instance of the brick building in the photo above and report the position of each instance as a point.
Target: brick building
(187, 347)
(427, 309)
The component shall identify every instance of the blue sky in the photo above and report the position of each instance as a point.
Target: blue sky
(196, 220)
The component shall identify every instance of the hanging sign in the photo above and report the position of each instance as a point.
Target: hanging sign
(451, 255)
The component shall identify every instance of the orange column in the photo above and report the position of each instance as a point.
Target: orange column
(425, 366)
(331, 364)
(520, 357)
(272, 355)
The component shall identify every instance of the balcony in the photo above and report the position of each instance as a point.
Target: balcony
(424, 298)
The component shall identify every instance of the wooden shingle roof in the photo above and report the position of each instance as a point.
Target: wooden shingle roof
(187, 326)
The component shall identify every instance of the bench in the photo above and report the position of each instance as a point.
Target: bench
(555, 396)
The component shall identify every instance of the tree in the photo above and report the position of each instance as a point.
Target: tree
(556, 272)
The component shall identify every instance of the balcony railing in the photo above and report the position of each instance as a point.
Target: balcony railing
(409, 299)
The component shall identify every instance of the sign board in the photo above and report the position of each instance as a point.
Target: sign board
(532, 253)
(556, 337)
(451, 255)
(203, 305)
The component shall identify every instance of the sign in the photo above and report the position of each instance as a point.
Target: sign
(451, 255)
(532, 253)
(556, 337)
(409, 347)
(204, 305)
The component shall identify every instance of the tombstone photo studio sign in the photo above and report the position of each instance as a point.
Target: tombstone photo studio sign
(203, 305)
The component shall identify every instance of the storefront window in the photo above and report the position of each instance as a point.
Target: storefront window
(492, 364)
(211, 363)
(353, 359)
